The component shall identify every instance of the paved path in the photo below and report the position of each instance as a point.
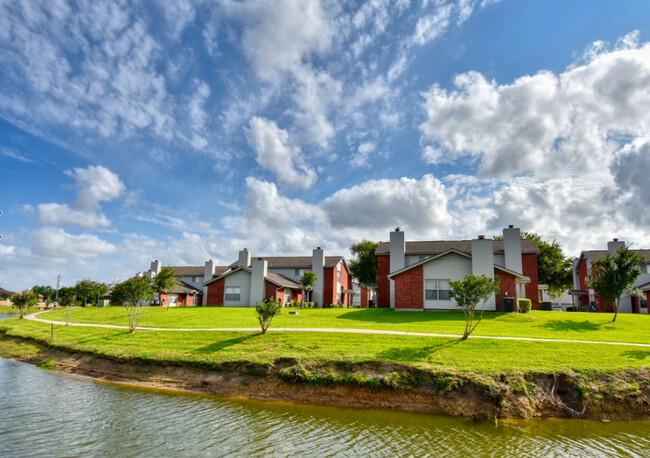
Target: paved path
(34, 317)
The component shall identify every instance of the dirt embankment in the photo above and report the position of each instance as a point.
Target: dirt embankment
(620, 396)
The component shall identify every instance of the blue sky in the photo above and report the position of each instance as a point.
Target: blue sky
(184, 131)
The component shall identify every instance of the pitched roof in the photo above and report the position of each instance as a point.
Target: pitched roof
(273, 277)
(188, 271)
(595, 254)
(185, 288)
(296, 262)
(6, 292)
(433, 247)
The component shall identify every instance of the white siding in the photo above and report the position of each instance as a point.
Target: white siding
(449, 267)
(397, 259)
(317, 266)
(243, 280)
(500, 260)
(290, 273)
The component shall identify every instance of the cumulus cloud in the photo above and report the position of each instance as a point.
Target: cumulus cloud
(94, 184)
(56, 243)
(420, 205)
(543, 124)
(275, 153)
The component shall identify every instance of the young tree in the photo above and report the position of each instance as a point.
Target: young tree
(165, 282)
(23, 301)
(363, 265)
(67, 302)
(307, 281)
(134, 294)
(613, 276)
(86, 289)
(468, 293)
(265, 313)
(553, 268)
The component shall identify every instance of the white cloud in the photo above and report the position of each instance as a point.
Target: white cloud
(275, 153)
(13, 154)
(56, 243)
(362, 156)
(63, 215)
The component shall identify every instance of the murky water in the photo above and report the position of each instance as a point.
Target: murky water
(47, 414)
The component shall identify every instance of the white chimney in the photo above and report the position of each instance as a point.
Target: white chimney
(244, 258)
(397, 258)
(156, 266)
(614, 245)
(318, 267)
(208, 272)
(259, 271)
(512, 248)
(483, 262)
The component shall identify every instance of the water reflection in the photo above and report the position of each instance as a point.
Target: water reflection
(46, 414)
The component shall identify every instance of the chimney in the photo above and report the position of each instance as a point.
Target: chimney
(397, 258)
(208, 273)
(244, 258)
(318, 267)
(614, 245)
(156, 266)
(258, 274)
(512, 248)
(483, 262)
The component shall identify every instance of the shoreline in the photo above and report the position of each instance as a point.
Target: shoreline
(605, 396)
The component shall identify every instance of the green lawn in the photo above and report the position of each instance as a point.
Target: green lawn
(550, 325)
(9, 310)
(475, 355)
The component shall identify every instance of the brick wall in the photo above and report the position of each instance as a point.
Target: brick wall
(269, 290)
(383, 284)
(507, 283)
(215, 293)
(346, 282)
(529, 261)
(364, 297)
(409, 289)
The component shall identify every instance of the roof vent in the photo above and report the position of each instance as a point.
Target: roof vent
(318, 248)
(616, 239)
(511, 226)
(397, 229)
(245, 249)
(481, 237)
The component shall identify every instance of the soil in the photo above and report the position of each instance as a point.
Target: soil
(620, 396)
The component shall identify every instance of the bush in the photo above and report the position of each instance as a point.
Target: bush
(524, 305)
(265, 313)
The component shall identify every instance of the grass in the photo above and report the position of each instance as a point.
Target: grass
(215, 348)
(538, 324)
(9, 310)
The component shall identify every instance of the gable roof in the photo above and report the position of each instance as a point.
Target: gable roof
(188, 271)
(273, 277)
(185, 288)
(595, 254)
(434, 247)
(296, 262)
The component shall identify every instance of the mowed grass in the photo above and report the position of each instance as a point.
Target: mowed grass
(9, 310)
(443, 354)
(538, 324)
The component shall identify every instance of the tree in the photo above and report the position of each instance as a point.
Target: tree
(45, 291)
(613, 276)
(89, 289)
(553, 268)
(165, 282)
(67, 302)
(23, 301)
(134, 294)
(307, 281)
(265, 313)
(363, 265)
(468, 293)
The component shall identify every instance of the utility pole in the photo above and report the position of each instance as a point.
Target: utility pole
(56, 297)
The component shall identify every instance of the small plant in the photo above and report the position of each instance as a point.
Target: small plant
(265, 313)
(524, 305)
(468, 292)
(23, 301)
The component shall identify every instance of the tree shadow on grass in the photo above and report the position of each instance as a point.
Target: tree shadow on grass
(415, 353)
(637, 354)
(571, 325)
(223, 344)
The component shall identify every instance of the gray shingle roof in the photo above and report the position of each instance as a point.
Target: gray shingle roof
(440, 246)
(282, 280)
(296, 262)
(595, 254)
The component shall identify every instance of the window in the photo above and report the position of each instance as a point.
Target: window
(437, 290)
(644, 268)
(296, 272)
(195, 279)
(233, 293)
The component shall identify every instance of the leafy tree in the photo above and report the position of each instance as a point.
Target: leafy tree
(45, 291)
(307, 281)
(363, 265)
(265, 313)
(165, 282)
(134, 294)
(89, 289)
(553, 268)
(614, 276)
(468, 293)
(23, 301)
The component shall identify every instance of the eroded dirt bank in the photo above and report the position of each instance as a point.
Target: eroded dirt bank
(614, 396)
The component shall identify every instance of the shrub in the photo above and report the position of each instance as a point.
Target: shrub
(265, 313)
(524, 305)
(311, 305)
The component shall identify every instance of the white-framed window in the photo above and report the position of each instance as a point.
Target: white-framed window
(195, 279)
(296, 272)
(437, 290)
(644, 268)
(233, 293)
